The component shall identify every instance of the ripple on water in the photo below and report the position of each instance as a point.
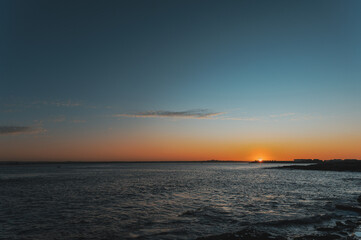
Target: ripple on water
(163, 200)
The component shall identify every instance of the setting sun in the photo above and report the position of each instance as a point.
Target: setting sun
(158, 119)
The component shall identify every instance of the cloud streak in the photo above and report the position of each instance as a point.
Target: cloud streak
(16, 130)
(251, 119)
(206, 114)
(282, 115)
(192, 114)
(68, 103)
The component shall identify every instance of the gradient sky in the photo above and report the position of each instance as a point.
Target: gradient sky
(180, 80)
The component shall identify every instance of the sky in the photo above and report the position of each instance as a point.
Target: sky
(180, 80)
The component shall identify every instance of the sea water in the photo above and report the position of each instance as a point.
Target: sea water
(166, 200)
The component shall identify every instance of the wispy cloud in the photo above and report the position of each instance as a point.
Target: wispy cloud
(58, 119)
(193, 114)
(63, 119)
(282, 115)
(306, 118)
(293, 117)
(16, 130)
(206, 114)
(78, 121)
(68, 103)
(240, 118)
(21, 106)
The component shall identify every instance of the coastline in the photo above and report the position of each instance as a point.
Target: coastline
(343, 166)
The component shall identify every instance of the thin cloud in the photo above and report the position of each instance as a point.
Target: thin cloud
(59, 119)
(282, 115)
(241, 118)
(193, 114)
(63, 119)
(21, 106)
(78, 121)
(16, 130)
(68, 103)
(305, 118)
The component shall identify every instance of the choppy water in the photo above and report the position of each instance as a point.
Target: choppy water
(165, 200)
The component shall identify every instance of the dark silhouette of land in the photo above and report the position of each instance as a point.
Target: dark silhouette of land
(343, 166)
(19, 162)
(295, 161)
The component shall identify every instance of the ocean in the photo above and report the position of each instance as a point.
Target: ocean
(167, 200)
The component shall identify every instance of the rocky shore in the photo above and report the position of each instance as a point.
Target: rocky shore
(338, 230)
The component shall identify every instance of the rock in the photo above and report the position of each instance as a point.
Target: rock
(319, 237)
(348, 208)
(325, 229)
(340, 224)
(359, 199)
(246, 234)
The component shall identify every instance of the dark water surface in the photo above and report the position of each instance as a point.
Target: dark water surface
(165, 200)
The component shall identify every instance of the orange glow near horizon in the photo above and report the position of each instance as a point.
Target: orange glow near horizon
(175, 149)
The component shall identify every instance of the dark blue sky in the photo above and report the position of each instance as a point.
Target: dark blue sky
(104, 63)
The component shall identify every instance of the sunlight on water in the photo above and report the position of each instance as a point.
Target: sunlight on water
(163, 200)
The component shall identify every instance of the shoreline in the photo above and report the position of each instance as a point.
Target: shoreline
(110, 162)
(327, 166)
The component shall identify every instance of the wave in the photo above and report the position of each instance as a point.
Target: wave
(204, 211)
(298, 221)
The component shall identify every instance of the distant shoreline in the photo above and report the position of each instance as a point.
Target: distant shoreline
(354, 166)
(327, 166)
(107, 162)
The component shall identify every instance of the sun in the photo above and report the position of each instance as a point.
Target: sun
(260, 160)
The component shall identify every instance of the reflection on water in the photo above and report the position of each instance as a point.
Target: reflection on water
(163, 200)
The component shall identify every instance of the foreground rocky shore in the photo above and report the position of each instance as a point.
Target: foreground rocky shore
(338, 230)
(252, 234)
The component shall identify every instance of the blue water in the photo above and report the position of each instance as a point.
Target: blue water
(166, 200)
